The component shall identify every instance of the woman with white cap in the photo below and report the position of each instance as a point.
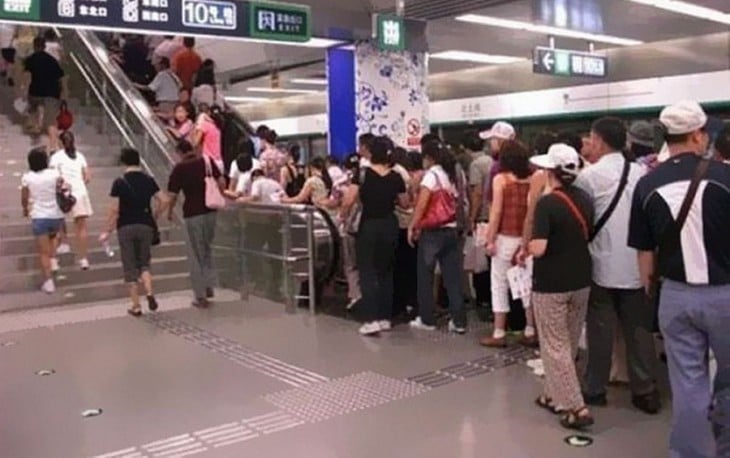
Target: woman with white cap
(561, 282)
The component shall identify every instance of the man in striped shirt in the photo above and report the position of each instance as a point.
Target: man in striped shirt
(694, 305)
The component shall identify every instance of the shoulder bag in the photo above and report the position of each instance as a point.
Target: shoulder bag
(441, 209)
(214, 199)
(65, 118)
(560, 194)
(64, 198)
(614, 202)
(670, 240)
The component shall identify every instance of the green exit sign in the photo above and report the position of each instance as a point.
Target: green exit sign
(280, 21)
(391, 33)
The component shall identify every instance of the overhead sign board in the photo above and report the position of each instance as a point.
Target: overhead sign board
(229, 18)
(561, 62)
(390, 32)
(280, 21)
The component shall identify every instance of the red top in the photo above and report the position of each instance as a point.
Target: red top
(514, 208)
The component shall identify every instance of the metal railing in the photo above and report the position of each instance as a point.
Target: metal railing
(290, 239)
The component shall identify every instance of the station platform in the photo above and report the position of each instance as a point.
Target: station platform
(247, 379)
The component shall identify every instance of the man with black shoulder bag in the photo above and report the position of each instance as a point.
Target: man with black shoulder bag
(617, 295)
(679, 223)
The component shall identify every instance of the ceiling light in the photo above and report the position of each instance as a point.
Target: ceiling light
(688, 9)
(545, 29)
(272, 90)
(310, 81)
(242, 99)
(477, 57)
(312, 43)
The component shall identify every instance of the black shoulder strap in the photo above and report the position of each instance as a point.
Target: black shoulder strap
(670, 240)
(614, 202)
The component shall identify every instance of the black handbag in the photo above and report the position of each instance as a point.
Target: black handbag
(64, 198)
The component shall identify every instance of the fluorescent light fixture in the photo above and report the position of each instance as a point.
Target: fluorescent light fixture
(545, 29)
(688, 9)
(312, 43)
(272, 90)
(243, 99)
(467, 56)
(310, 81)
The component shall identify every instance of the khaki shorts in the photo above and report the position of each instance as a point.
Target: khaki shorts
(51, 107)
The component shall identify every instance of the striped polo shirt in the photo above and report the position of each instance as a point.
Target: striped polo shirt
(703, 257)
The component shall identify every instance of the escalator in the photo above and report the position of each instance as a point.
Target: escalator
(306, 233)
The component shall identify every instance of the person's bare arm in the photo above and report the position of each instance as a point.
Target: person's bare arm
(25, 201)
(476, 204)
(495, 212)
(424, 195)
(537, 248)
(647, 268)
(171, 205)
(301, 198)
(537, 186)
(111, 219)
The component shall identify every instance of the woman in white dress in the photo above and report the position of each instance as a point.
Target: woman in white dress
(74, 170)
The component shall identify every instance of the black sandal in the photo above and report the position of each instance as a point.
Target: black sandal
(546, 403)
(135, 312)
(573, 419)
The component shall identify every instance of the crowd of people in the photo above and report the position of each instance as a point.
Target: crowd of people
(595, 219)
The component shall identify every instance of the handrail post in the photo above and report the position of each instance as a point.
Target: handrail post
(287, 267)
(310, 260)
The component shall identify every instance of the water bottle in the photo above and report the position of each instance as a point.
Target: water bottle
(108, 249)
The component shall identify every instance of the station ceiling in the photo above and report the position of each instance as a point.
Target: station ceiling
(251, 63)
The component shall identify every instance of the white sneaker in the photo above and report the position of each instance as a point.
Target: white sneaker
(418, 324)
(63, 248)
(369, 329)
(48, 287)
(456, 329)
(54, 265)
(84, 263)
(385, 325)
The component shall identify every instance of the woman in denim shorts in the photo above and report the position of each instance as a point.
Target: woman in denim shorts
(39, 187)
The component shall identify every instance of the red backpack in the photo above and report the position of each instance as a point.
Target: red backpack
(65, 118)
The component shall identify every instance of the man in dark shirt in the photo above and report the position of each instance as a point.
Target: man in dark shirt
(694, 306)
(45, 86)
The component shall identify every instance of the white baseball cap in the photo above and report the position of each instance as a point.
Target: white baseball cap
(559, 157)
(683, 117)
(500, 129)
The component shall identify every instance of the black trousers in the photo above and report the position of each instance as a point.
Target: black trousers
(404, 276)
(376, 244)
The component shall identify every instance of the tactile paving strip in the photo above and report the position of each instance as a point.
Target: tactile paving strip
(342, 396)
(469, 369)
(237, 353)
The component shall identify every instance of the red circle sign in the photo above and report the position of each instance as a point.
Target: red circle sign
(414, 127)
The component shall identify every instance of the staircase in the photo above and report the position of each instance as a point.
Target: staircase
(20, 277)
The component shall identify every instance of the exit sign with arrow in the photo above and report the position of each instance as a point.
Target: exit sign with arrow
(561, 62)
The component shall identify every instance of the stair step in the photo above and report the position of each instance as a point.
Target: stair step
(74, 276)
(29, 262)
(89, 292)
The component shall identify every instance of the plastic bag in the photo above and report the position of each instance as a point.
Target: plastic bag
(475, 256)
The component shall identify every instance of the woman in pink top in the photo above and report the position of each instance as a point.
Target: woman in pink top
(272, 158)
(208, 136)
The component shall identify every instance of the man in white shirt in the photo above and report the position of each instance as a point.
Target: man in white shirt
(166, 86)
(240, 174)
(617, 291)
(263, 189)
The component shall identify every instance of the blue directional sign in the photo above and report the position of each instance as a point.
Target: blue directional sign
(561, 62)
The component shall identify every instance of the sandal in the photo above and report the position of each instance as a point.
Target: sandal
(574, 420)
(546, 403)
(135, 312)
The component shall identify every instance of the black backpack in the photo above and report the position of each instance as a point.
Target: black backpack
(295, 186)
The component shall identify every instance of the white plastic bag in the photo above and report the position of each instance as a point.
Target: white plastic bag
(475, 256)
(520, 280)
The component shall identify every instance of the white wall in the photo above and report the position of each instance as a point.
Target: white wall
(651, 92)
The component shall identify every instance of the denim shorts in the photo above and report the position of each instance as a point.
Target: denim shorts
(46, 226)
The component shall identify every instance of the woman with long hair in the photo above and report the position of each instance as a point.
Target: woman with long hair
(379, 191)
(207, 136)
(38, 198)
(74, 170)
(434, 225)
(561, 282)
(348, 219)
(317, 189)
(510, 190)
(291, 178)
(134, 217)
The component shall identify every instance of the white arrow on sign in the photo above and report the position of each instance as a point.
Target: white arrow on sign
(548, 60)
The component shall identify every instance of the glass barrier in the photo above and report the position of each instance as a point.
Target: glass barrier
(273, 251)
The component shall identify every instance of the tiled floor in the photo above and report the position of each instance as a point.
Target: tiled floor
(249, 380)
